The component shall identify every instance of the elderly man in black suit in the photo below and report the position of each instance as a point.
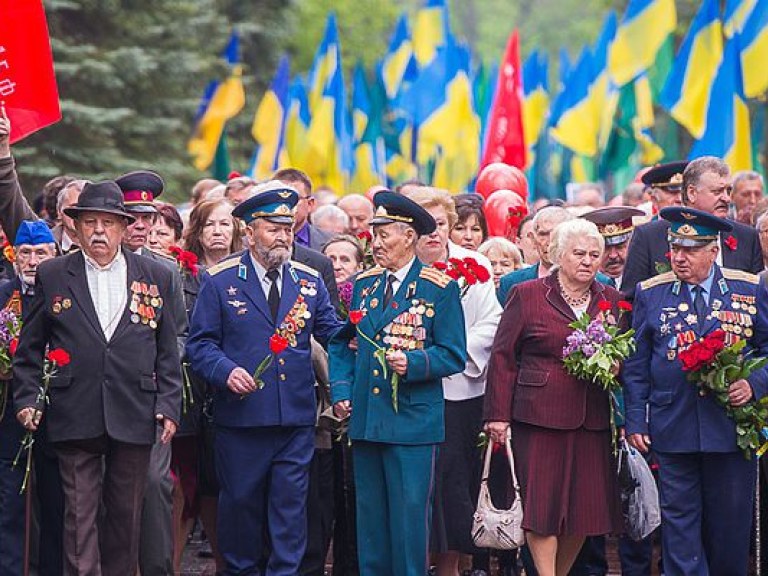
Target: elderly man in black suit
(108, 309)
(706, 186)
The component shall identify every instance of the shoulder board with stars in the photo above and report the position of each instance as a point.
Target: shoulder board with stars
(665, 278)
(375, 271)
(435, 276)
(304, 268)
(221, 266)
(731, 274)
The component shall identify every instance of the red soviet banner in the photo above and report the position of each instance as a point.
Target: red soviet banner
(504, 137)
(27, 83)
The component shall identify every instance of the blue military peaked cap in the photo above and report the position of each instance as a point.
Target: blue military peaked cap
(691, 227)
(391, 208)
(33, 232)
(273, 201)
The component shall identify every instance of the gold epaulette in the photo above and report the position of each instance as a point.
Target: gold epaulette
(225, 265)
(665, 278)
(731, 274)
(435, 276)
(304, 268)
(375, 271)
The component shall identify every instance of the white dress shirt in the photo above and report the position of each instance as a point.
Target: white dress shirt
(400, 276)
(266, 283)
(108, 286)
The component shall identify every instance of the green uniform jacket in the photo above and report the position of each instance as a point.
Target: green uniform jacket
(426, 321)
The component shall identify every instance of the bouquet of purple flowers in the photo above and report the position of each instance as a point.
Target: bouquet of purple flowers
(10, 327)
(597, 346)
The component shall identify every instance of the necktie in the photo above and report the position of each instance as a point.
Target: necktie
(699, 305)
(389, 290)
(274, 296)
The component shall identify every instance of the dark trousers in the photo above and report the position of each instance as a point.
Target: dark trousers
(113, 473)
(263, 476)
(345, 525)
(50, 510)
(319, 513)
(11, 518)
(706, 511)
(156, 543)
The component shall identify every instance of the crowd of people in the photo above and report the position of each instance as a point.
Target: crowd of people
(299, 372)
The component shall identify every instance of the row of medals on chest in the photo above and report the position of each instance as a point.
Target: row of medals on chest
(145, 301)
(406, 331)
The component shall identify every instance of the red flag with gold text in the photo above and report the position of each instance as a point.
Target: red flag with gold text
(504, 138)
(27, 81)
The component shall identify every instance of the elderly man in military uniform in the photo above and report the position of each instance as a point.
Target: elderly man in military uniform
(705, 185)
(250, 340)
(616, 226)
(405, 319)
(706, 484)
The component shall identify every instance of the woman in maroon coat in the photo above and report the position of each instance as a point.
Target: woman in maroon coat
(561, 429)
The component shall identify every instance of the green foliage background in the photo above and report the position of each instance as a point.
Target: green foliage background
(131, 72)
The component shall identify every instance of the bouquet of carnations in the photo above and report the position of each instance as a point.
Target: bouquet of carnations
(187, 261)
(365, 239)
(597, 346)
(713, 367)
(466, 271)
(54, 359)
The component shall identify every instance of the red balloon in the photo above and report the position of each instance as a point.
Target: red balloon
(500, 176)
(504, 209)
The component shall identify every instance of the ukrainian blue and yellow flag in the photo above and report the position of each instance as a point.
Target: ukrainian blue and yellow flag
(535, 100)
(686, 93)
(268, 127)
(430, 31)
(367, 138)
(736, 14)
(727, 135)
(644, 29)
(398, 57)
(324, 65)
(753, 48)
(644, 120)
(297, 121)
(328, 156)
(574, 121)
(221, 101)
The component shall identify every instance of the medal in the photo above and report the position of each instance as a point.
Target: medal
(374, 302)
(430, 312)
(135, 318)
(683, 307)
(153, 324)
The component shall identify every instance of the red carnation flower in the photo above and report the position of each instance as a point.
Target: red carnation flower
(604, 306)
(277, 343)
(355, 316)
(58, 356)
(12, 346)
(482, 273)
(440, 266)
(732, 243)
(365, 235)
(624, 305)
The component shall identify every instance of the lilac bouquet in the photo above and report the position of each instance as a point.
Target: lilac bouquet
(597, 346)
(10, 327)
(345, 298)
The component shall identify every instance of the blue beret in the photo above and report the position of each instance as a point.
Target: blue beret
(273, 201)
(691, 227)
(33, 232)
(391, 207)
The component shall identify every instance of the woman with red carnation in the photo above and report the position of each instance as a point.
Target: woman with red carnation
(458, 468)
(560, 425)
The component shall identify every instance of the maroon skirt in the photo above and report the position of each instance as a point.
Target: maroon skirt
(568, 481)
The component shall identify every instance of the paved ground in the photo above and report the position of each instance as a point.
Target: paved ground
(196, 566)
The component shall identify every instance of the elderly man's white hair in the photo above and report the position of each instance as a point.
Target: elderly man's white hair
(327, 218)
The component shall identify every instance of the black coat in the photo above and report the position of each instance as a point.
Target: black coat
(648, 249)
(320, 262)
(11, 431)
(114, 387)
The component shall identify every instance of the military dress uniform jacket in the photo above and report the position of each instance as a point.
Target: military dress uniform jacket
(231, 327)
(660, 401)
(11, 432)
(425, 320)
(113, 387)
(648, 249)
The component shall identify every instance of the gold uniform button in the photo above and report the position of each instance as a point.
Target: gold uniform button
(378, 337)
(282, 376)
(281, 361)
(375, 372)
(375, 390)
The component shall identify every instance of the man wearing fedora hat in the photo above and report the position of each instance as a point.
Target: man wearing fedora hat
(108, 309)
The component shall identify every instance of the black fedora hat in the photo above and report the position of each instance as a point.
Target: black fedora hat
(104, 197)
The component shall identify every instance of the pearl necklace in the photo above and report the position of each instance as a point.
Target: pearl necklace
(573, 302)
